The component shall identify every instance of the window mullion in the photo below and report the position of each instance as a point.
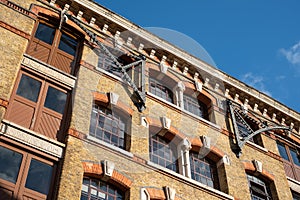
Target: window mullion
(39, 106)
(291, 161)
(54, 47)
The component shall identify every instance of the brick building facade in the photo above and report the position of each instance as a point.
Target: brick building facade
(94, 107)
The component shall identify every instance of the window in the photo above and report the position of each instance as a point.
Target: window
(24, 175)
(163, 152)
(38, 104)
(160, 90)
(259, 189)
(10, 163)
(39, 176)
(105, 62)
(108, 126)
(55, 47)
(296, 196)
(195, 106)
(203, 170)
(291, 160)
(98, 189)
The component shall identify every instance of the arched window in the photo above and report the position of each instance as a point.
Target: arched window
(97, 189)
(195, 106)
(259, 188)
(163, 152)
(203, 170)
(161, 90)
(108, 126)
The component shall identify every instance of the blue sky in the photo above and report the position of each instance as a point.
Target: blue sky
(255, 41)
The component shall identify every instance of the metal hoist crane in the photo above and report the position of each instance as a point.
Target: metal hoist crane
(140, 95)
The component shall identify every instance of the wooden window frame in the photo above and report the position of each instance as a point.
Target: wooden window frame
(54, 47)
(19, 188)
(38, 107)
(292, 170)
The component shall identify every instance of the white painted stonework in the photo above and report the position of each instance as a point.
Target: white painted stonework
(32, 140)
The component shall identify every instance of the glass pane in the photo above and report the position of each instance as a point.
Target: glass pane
(282, 151)
(45, 33)
(68, 44)
(29, 88)
(10, 162)
(55, 100)
(296, 196)
(295, 156)
(39, 176)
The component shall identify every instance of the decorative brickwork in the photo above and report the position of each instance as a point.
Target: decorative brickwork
(103, 98)
(3, 103)
(157, 193)
(96, 170)
(76, 134)
(249, 166)
(14, 30)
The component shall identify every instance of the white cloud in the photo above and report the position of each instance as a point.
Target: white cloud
(292, 54)
(255, 81)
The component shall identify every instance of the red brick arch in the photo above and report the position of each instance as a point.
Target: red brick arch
(190, 88)
(95, 169)
(249, 167)
(103, 98)
(214, 152)
(157, 193)
(156, 123)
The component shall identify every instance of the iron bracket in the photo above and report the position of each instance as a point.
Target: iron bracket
(241, 141)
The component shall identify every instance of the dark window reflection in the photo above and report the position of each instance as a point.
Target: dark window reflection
(195, 106)
(55, 100)
(39, 176)
(68, 44)
(10, 162)
(295, 156)
(282, 151)
(45, 33)
(29, 88)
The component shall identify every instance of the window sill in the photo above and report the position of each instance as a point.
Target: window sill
(99, 69)
(201, 119)
(294, 185)
(163, 100)
(122, 151)
(216, 192)
(257, 146)
(31, 138)
(184, 111)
